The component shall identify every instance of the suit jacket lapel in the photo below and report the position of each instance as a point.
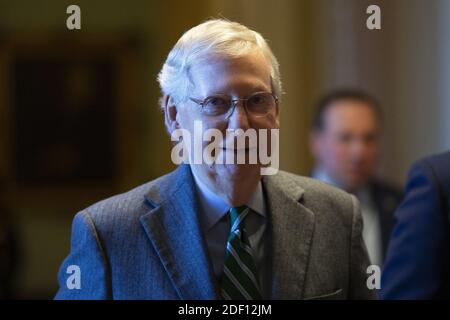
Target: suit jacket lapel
(292, 226)
(174, 230)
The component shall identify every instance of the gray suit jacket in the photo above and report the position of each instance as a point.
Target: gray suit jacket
(147, 243)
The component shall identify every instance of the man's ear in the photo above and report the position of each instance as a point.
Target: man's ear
(315, 142)
(277, 115)
(170, 114)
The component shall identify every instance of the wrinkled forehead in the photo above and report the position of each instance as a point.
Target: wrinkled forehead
(220, 73)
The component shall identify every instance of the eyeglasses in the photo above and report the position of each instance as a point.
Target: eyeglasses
(259, 104)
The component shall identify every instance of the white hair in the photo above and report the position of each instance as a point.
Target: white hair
(218, 37)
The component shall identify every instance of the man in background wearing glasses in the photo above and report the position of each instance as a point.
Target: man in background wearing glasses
(220, 230)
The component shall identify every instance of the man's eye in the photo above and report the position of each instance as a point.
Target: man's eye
(216, 102)
(345, 138)
(257, 99)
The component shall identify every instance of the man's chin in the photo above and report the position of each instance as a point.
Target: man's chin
(233, 171)
(355, 184)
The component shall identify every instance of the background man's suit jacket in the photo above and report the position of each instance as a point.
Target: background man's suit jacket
(147, 243)
(386, 199)
(418, 258)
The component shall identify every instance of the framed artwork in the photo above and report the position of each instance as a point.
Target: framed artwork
(68, 109)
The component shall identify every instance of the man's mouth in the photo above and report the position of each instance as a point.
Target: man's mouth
(239, 149)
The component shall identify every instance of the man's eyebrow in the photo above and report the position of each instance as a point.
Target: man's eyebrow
(253, 90)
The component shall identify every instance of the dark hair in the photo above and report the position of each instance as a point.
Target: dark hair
(343, 94)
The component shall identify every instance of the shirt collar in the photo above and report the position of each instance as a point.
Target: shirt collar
(215, 208)
(321, 175)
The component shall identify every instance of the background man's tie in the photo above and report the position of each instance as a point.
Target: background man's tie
(239, 278)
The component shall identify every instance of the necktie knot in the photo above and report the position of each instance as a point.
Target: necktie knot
(237, 216)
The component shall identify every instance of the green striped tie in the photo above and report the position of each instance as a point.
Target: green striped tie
(239, 278)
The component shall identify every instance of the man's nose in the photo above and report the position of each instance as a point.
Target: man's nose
(239, 118)
(358, 150)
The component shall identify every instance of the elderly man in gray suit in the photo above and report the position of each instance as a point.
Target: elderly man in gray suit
(220, 230)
